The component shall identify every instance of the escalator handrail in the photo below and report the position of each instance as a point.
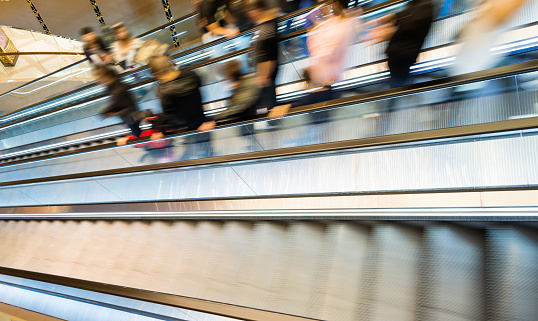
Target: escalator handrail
(507, 125)
(188, 16)
(200, 305)
(284, 38)
(171, 23)
(83, 60)
(50, 53)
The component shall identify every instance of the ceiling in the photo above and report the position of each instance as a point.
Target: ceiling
(67, 17)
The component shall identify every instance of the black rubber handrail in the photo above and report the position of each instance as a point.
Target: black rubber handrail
(508, 125)
(201, 305)
(184, 53)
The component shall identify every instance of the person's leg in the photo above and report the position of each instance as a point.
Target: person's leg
(266, 102)
(322, 116)
(399, 74)
(135, 129)
(316, 132)
(270, 97)
(267, 99)
(271, 92)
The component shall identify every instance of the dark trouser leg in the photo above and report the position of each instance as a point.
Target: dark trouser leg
(267, 98)
(399, 74)
(323, 116)
(399, 71)
(268, 102)
(316, 132)
(135, 129)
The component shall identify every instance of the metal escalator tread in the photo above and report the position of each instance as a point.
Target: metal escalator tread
(320, 269)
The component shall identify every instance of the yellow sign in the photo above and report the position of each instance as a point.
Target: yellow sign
(7, 46)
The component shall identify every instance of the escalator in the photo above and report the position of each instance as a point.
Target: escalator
(338, 211)
(297, 262)
(50, 297)
(424, 112)
(78, 119)
(83, 104)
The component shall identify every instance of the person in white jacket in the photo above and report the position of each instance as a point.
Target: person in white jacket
(125, 47)
(481, 34)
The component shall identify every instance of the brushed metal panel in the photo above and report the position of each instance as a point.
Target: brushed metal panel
(451, 277)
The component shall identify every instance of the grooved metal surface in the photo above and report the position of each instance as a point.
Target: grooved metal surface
(479, 162)
(326, 270)
(417, 112)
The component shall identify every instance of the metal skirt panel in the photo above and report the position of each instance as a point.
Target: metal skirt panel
(75, 304)
(414, 113)
(479, 163)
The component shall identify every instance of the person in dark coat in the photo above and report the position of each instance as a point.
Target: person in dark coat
(94, 47)
(181, 101)
(122, 103)
(244, 90)
(406, 32)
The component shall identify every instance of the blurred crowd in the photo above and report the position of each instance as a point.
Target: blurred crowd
(334, 26)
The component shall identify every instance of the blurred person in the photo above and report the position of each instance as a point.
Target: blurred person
(238, 17)
(216, 20)
(245, 91)
(125, 47)
(318, 120)
(316, 95)
(480, 35)
(181, 101)
(328, 44)
(265, 54)
(406, 32)
(122, 102)
(94, 47)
